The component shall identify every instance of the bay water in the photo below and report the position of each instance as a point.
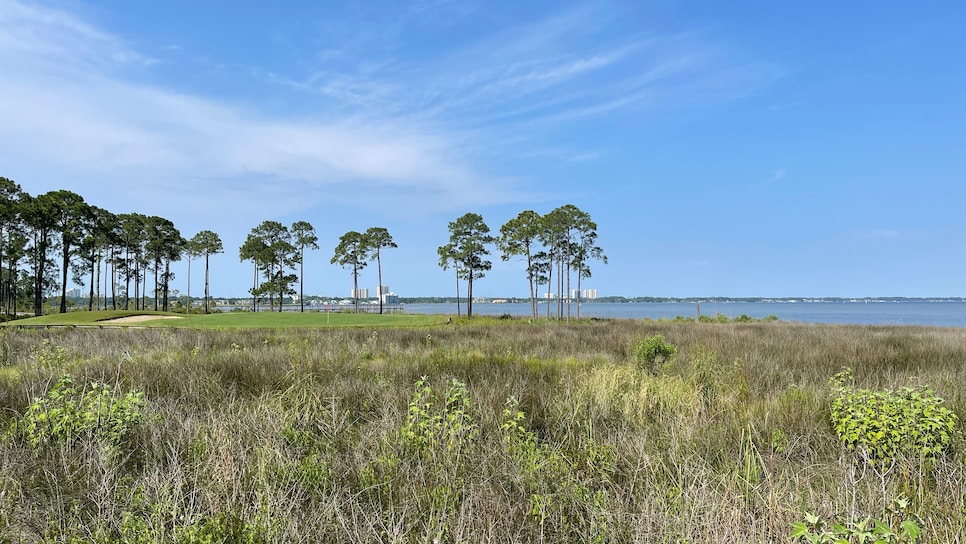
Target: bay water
(939, 314)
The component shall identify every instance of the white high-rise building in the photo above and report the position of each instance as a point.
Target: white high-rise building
(382, 290)
(590, 294)
(359, 293)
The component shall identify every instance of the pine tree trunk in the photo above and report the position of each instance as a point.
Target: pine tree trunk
(188, 309)
(569, 272)
(379, 290)
(469, 295)
(63, 285)
(157, 265)
(579, 294)
(255, 288)
(551, 303)
(355, 287)
(533, 300)
(206, 283)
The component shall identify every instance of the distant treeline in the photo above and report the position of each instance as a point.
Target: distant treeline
(610, 300)
(694, 300)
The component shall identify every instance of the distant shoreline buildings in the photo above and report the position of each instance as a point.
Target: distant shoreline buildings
(575, 294)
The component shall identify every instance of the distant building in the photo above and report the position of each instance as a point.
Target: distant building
(590, 294)
(359, 293)
(74, 293)
(387, 296)
(382, 290)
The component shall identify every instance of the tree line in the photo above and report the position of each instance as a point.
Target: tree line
(275, 250)
(129, 255)
(57, 233)
(555, 246)
(44, 238)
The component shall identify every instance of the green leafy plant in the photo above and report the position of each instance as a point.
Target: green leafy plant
(567, 491)
(653, 350)
(52, 357)
(65, 414)
(434, 424)
(779, 441)
(883, 426)
(815, 530)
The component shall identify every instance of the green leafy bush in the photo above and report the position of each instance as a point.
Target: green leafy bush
(716, 318)
(653, 350)
(65, 414)
(886, 425)
(432, 425)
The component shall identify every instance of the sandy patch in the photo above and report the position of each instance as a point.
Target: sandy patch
(140, 318)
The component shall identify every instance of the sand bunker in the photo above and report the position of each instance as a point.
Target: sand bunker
(140, 318)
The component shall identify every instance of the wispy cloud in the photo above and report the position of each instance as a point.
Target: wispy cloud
(561, 155)
(71, 110)
(37, 38)
(877, 234)
(411, 129)
(562, 67)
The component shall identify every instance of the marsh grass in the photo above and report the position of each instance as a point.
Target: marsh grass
(554, 433)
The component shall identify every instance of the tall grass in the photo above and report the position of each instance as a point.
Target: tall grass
(518, 432)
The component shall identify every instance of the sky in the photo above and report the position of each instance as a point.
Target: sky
(772, 149)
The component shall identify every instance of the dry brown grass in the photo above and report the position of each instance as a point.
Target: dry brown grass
(284, 436)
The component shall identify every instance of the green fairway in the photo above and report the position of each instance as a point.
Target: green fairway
(231, 320)
(82, 318)
(282, 320)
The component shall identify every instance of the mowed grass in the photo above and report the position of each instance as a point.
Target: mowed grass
(296, 320)
(81, 317)
(482, 431)
(231, 320)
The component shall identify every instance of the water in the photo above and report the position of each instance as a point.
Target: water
(939, 314)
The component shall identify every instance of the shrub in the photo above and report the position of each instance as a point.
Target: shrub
(447, 427)
(886, 425)
(653, 350)
(64, 414)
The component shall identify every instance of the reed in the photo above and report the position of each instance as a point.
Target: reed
(494, 431)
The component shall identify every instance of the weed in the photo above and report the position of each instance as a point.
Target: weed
(64, 415)
(435, 424)
(899, 527)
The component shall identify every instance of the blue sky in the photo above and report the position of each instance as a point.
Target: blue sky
(733, 149)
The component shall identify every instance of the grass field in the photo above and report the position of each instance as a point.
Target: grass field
(490, 431)
(232, 320)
